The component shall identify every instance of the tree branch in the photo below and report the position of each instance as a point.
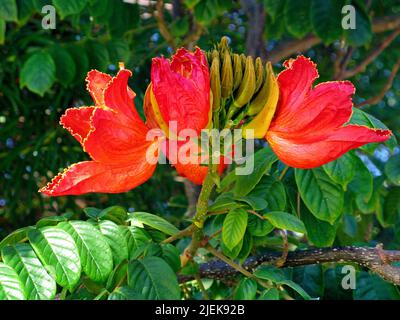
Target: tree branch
(375, 259)
(162, 25)
(287, 48)
(372, 55)
(386, 87)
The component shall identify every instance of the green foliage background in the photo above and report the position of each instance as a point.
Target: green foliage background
(42, 73)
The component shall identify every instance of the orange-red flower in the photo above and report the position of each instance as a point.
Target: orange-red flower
(308, 129)
(114, 135)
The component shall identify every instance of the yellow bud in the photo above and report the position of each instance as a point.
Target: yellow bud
(226, 75)
(259, 73)
(237, 71)
(248, 85)
(215, 81)
(262, 120)
(224, 44)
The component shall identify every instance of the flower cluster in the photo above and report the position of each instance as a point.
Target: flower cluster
(305, 126)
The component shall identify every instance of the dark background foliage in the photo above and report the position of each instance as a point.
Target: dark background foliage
(42, 73)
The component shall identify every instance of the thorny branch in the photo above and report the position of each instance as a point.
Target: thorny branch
(376, 259)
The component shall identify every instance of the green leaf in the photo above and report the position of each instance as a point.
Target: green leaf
(270, 294)
(58, 252)
(362, 118)
(310, 278)
(235, 251)
(81, 59)
(25, 9)
(125, 293)
(391, 212)
(37, 283)
(246, 289)
(93, 213)
(8, 10)
(225, 201)
(372, 287)
(38, 73)
(246, 247)
(168, 252)
(116, 214)
(320, 233)
(258, 227)
(256, 203)
(180, 27)
(10, 285)
(326, 17)
(70, 7)
(362, 183)
(273, 8)
(94, 251)
(65, 65)
(286, 221)
(119, 51)
(53, 220)
(115, 239)
(276, 276)
(262, 160)
(137, 239)
(392, 169)
(362, 34)
(341, 170)
(14, 237)
(234, 227)
(153, 221)
(206, 11)
(123, 14)
(322, 196)
(2, 31)
(273, 191)
(153, 278)
(99, 57)
(297, 17)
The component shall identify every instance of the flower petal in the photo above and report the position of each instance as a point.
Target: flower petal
(77, 121)
(115, 139)
(182, 89)
(91, 176)
(326, 107)
(186, 157)
(314, 150)
(294, 85)
(96, 83)
(119, 97)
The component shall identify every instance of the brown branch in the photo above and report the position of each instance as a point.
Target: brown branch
(287, 48)
(375, 259)
(371, 57)
(255, 44)
(162, 25)
(385, 88)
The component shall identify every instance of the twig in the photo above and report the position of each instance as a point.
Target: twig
(162, 25)
(256, 214)
(285, 249)
(287, 48)
(234, 265)
(183, 233)
(371, 258)
(386, 87)
(371, 57)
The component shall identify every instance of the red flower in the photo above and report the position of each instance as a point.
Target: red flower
(114, 135)
(308, 129)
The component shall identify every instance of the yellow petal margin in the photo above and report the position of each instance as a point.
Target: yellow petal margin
(262, 120)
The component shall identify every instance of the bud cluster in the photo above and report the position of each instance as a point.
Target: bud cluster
(240, 86)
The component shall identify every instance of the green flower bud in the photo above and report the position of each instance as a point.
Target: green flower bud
(215, 80)
(226, 75)
(237, 71)
(248, 85)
